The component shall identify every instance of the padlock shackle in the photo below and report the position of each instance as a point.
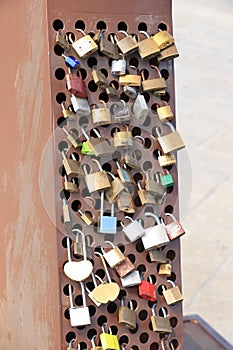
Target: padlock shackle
(93, 341)
(98, 163)
(172, 283)
(102, 203)
(97, 133)
(131, 305)
(104, 103)
(147, 174)
(129, 218)
(164, 312)
(153, 310)
(99, 279)
(112, 176)
(139, 184)
(145, 33)
(123, 301)
(70, 38)
(148, 214)
(66, 178)
(81, 31)
(124, 103)
(68, 248)
(171, 126)
(171, 215)
(134, 67)
(158, 177)
(82, 285)
(150, 279)
(64, 201)
(157, 70)
(158, 133)
(70, 343)
(118, 164)
(111, 244)
(124, 32)
(94, 279)
(142, 74)
(70, 297)
(105, 266)
(85, 133)
(66, 131)
(79, 232)
(64, 156)
(140, 138)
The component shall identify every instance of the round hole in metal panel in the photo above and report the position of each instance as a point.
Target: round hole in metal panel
(144, 337)
(134, 330)
(60, 73)
(58, 50)
(61, 121)
(173, 322)
(154, 346)
(60, 97)
(62, 171)
(67, 314)
(142, 26)
(122, 26)
(103, 96)
(101, 25)
(58, 24)
(91, 333)
(70, 37)
(92, 61)
(112, 308)
(70, 336)
(92, 310)
(143, 314)
(80, 24)
(162, 26)
(165, 73)
(166, 97)
(64, 194)
(133, 61)
(76, 205)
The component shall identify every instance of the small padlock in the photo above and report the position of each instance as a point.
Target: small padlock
(70, 345)
(163, 39)
(160, 324)
(75, 85)
(90, 293)
(79, 316)
(147, 290)
(85, 46)
(109, 341)
(125, 202)
(108, 48)
(154, 187)
(157, 255)
(127, 316)
(167, 179)
(133, 230)
(155, 236)
(131, 280)
(61, 41)
(123, 138)
(98, 145)
(165, 269)
(118, 66)
(72, 166)
(164, 112)
(121, 112)
(172, 295)
(101, 115)
(107, 224)
(124, 174)
(130, 91)
(98, 180)
(114, 256)
(130, 79)
(125, 268)
(71, 61)
(157, 84)
(93, 345)
(116, 188)
(147, 48)
(78, 246)
(166, 159)
(131, 159)
(145, 196)
(99, 78)
(140, 109)
(169, 53)
(86, 149)
(170, 142)
(85, 217)
(66, 216)
(70, 185)
(71, 137)
(128, 44)
(80, 106)
(174, 229)
(112, 91)
(67, 113)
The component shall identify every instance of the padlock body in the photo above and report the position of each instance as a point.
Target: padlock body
(123, 139)
(78, 250)
(165, 113)
(130, 80)
(155, 236)
(76, 86)
(112, 92)
(100, 146)
(109, 341)
(66, 214)
(108, 224)
(125, 267)
(148, 48)
(163, 39)
(99, 78)
(87, 219)
(118, 67)
(90, 295)
(101, 116)
(72, 167)
(61, 41)
(130, 91)
(131, 161)
(147, 291)
(167, 159)
(171, 142)
(85, 46)
(121, 114)
(72, 140)
(79, 316)
(172, 295)
(108, 48)
(97, 181)
(71, 62)
(154, 84)
(68, 114)
(161, 324)
(124, 175)
(167, 180)
(146, 197)
(70, 186)
(125, 202)
(127, 45)
(168, 53)
(114, 257)
(157, 255)
(174, 230)
(116, 188)
(80, 106)
(134, 231)
(140, 109)
(131, 280)
(165, 269)
(154, 187)
(127, 317)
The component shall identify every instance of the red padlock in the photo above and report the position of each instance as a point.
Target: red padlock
(76, 85)
(147, 290)
(174, 229)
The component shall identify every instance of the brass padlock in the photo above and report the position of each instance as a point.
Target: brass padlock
(112, 91)
(80, 106)
(101, 115)
(121, 112)
(93, 345)
(85, 46)
(71, 137)
(85, 217)
(145, 196)
(90, 292)
(114, 256)
(140, 109)
(66, 216)
(98, 180)
(128, 44)
(131, 79)
(157, 84)
(147, 48)
(172, 295)
(123, 138)
(166, 159)
(164, 112)
(160, 324)
(125, 202)
(116, 188)
(99, 78)
(165, 269)
(154, 187)
(118, 66)
(78, 246)
(131, 159)
(169, 53)
(72, 166)
(67, 113)
(125, 268)
(70, 186)
(61, 41)
(108, 48)
(163, 39)
(127, 316)
(157, 255)
(98, 145)
(123, 173)
(170, 142)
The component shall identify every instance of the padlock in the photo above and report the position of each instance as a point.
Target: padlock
(80, 106)
(165, 269)
(130, 91)
(66, 216)
(121, 112)
(147, 48)
(128, 44)
(157, 255)
(174, 229)
(98, 180)
(127, 316)
(167, 179)
(107, 224)
(125, 202)
(75, 84)
(170, 142)
(154, 187)
(71, 137)
(108, 48)
(164, 112)
(140, 109)
(99, 78)
(90, 293)
(70, 185)
(116, 188)
(145, 196)
(71, 61)
(67, 113)
(163, 39)
(172, 295)
(168, 346)
(147, 290)
(125, 268)
(118, 67)
(84, 46)
(61, 41)
(98, 145)
(93, 345)
(131, 160)
(133, 230)
(78, 246)
(130, 79)
(131, 280)
(86, 149)
(155, 236)
(79, 316)
(166, 159)
(123, 138)
(169, 53)
(109, 341)
(77, 270)
(124, 174)
(114, 256)
(156, 84)
(160, 324)
(85, 217)
(72, 166)
(70, 345)
(112, 91)
(101, 115)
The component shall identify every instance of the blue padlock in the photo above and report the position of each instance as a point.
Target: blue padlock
(71, 61)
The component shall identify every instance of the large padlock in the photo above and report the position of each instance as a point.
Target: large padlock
(107, 224)
(140, 109)
(131, 280)
(147, 290)
(157, 255)
(170, 142)
(84, 46)
(167, 179)
(123, 138)
(155, 236)
(157, 84)
(172, 295)
(113, 91)
(71, 137)
(109, 341)
(76, 85)
(93, 345)
(160, 324)
(72, 166)
(78, 246)
(163, 39)
(166, 159)
(79, 316)
(169, 53)
(118, 67)
(98, 145)
(116, 188)
(174, 229)
(133, 230)
(66, 216)
(127, 315)
(70, 185)
(80, 106)
(147, 48)
(98, 180)
(125, 202)
(99, 78)
(108, 48)
(128, 44)
(114, 256)
(164, 112)
(121, 112)
(153, 186)
(61, 41)
(71, 61)
(101, 115)
(145, 196)
(165, 269)
(124, 174)
(67, 113)
(131, 79)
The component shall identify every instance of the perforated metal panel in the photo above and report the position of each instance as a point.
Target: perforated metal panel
(131, 16)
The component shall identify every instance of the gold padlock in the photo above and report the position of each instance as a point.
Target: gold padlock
(170, 142)
(164, 112)
(112, 91)
(125, 202)
(169, 53)
(163, 39)
(128, 44)
(99, 78)
(98, 180)
(166, 159)
(165, 269)
(114, 256)
(85, 46)
(127, 316)
(98, 145)
(130, 79)
(158, 84)
(172, 295)
(71, 137)
(160, 324)
(101, 115)
(108, 48)
(123, 138)
(61, 41)
(66, 216)
(70, 186)
(116, 188)
(85, 217)
(67, 113)
(147, 48)
(72, 166)
(145, 196)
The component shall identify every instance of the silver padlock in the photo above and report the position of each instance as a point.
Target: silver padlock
(107, 224)
(118, 67)
(130, 91)
(140, 109)
(121, 112)
(131, 280)
(155, 236)
(80, 106)
(133, 230)
(79, 316)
